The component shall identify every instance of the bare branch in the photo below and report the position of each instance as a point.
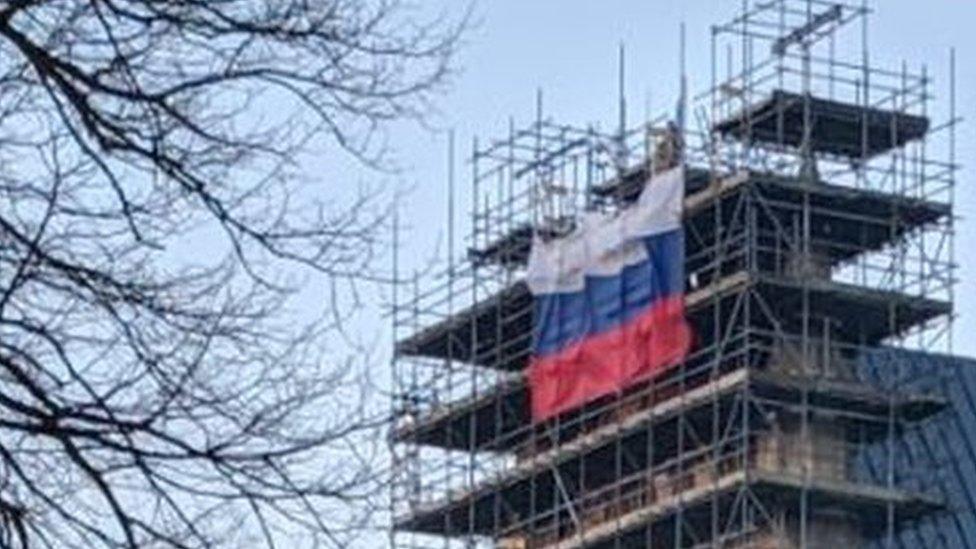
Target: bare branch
(158, 387)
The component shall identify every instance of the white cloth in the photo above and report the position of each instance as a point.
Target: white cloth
(603, 244)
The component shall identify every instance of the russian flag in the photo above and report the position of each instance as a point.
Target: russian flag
(609, 301)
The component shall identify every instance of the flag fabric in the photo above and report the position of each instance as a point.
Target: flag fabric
(609, 301)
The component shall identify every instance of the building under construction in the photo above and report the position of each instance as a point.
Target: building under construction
(819, 406)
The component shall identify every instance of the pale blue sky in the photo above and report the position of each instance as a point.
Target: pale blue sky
(569, 49)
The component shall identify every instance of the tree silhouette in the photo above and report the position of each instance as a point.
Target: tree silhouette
(154, 390)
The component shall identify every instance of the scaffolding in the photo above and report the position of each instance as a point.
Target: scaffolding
(821, 404)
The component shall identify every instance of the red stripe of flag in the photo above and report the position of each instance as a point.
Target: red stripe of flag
(602, 364)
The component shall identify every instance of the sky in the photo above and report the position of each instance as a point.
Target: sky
(569, 48)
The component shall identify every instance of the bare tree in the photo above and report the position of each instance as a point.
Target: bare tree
(155, 388)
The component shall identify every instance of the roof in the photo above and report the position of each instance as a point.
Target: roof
(838, 128)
